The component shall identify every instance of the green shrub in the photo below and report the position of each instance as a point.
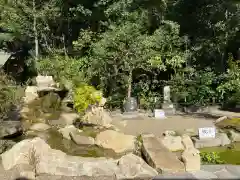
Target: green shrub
(62, 68)
(211, 158)
(194, 88)
(230, 87)
(10, 95)
(84, 96)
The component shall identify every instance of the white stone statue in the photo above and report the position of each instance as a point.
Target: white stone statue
(166, 94)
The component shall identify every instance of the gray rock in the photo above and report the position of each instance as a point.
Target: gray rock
(117, 141)
(212, 168)
(173, 143)
(159, 157)
(56, 163)
(22, 170)
(10, 128)
(80, 139)
(221, 139)
(39, 127)
(65, 119)
(67, 130)
(142, 170)
(224, 139)
(55, 177)
(234, 169)
(97, 116)
(204, 175)
(45, 81)
(235, 136)
(180, 175)
(68, 118)
(224, 174)
(221, 119)
(191, 158)
(42, 134)
(30, 94)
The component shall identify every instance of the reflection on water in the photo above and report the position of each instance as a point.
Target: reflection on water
(55, 140)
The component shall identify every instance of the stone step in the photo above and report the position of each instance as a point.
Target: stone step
(159, 157)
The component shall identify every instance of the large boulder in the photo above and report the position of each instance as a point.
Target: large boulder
(81, 139)
(117, 141)
(173, 143)
(187, 142)
(97, 116)
(235, 136)
(67, 130)
(68, 118)
(140, 170)
(65, 119)
(51, 162)
(159, 157)
(39, 127)
(191, 158)
(45, 81)
(30, 94)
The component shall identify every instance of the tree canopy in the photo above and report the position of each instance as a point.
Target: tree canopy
(132, 47)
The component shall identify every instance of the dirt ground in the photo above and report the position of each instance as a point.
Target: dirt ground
(158, 126)
(178, 123)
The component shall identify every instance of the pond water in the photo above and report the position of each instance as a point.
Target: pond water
(229, 154)
(56, 141)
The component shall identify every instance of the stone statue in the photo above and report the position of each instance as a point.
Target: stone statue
(166, 94)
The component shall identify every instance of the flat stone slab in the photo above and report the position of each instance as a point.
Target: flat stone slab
(221, 139)
(183, 175)
(159, 157)
(223, 171)
(206, 172)
(131, 115)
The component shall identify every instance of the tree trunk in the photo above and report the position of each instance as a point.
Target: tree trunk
(129, 93)
(35, 30)
(64, 45)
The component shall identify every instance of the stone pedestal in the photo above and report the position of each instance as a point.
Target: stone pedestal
(168, 109)
(131, 115)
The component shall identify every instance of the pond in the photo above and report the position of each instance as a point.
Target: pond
(229, 154)
(55, 140)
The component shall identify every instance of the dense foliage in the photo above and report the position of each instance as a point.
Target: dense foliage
(133, 48)
(10, 96)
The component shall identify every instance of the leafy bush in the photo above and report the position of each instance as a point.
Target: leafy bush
(10, 95)
(211, 158)
(191, 87)
(84, 96)
(62, 68)
(230, 87)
